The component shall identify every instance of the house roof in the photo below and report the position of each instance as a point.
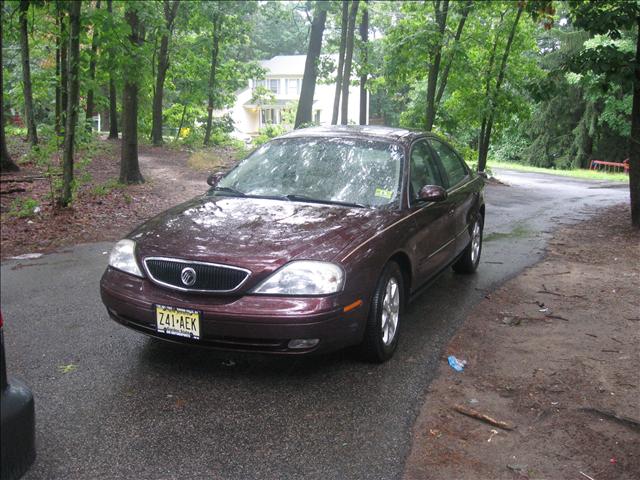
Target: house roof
(285, 65)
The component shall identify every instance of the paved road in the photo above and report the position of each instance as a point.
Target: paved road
(129, 407)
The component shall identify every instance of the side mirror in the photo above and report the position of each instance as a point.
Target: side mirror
(432, 193)
(214, 178)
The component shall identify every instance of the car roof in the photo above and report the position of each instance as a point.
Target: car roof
(359, 131)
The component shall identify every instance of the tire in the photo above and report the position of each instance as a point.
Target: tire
(18, 430)
(381, 333)
(468, 262)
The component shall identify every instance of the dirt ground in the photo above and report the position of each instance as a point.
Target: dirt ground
(555, 353)
(103, 210)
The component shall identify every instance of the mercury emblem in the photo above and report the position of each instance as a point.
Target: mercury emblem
(188, 276)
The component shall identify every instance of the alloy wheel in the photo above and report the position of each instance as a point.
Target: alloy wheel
(390, 311)
(476, 239)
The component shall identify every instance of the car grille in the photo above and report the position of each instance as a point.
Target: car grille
(210, 277)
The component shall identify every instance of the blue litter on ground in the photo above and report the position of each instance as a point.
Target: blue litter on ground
(457, 365)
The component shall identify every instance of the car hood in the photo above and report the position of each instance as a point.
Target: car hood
(257, 234)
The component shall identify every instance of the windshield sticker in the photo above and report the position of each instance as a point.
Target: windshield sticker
(382, 193)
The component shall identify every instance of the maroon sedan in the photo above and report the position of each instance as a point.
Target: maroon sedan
(312, 243)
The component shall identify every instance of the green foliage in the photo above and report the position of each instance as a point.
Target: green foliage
(400, 83)
(566, 97)
(279, 28)
(102, 189)
(583, 104)
(23, 207)
(262, 96)
(289, 113)
(574, 172)
(609, 18)
(268, 132)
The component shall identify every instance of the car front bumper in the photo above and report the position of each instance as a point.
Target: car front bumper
(253, 323)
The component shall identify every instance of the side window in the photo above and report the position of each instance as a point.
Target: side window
(423, 170)
(453, 165)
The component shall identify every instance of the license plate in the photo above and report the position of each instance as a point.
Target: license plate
(181, 322)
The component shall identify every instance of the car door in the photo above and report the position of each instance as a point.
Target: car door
(432, 243)
(460, 193)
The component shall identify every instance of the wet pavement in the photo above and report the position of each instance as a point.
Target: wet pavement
(111, 403)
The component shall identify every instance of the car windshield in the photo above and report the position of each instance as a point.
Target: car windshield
(332, 170)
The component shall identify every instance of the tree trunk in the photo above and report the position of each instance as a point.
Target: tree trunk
(72, 104)
(364, 35)
(92, 75)
(32, 134)
(348, 57)
(217, 25)
(487, 92)
(113, 105)
(304, 114)
(485, 137)
(64, 66)
(170, 11)
(6, 164)
(456, 40)
(113, 110)
(441, 11)
(184, 112)
(129, 167)
(634, 150)
(343, 43)
(58, 121)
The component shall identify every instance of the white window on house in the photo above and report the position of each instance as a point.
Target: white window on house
(259, 83)
(274, 85)
(270, 115)
(292, 86)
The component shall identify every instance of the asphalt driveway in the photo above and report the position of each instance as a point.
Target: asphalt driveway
(111, 403)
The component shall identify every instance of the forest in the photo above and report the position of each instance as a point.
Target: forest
(546, 83)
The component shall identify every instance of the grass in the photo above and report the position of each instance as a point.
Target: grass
(215, 158)
(205, 160)
(23, 207)
(519, 231)
(576, 173)
(103, 189)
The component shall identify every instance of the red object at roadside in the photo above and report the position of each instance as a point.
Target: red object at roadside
(601, 164)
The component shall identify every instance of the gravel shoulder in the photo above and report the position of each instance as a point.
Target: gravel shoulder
(553, 352)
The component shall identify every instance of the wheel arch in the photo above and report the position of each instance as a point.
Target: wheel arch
(403, 261)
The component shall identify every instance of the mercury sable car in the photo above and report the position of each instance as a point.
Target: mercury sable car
(314, 242)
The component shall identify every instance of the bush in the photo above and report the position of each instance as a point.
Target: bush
(24, 207)
(268, 132)
(511, 148)
(221, 138)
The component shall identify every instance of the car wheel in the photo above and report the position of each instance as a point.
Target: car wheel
(468, 262)
(383, 323)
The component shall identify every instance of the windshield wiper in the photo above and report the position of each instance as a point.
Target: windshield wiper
(230, 190)
(303, 198)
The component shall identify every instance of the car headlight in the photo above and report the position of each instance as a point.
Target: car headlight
(304, 277)
(123, 257)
